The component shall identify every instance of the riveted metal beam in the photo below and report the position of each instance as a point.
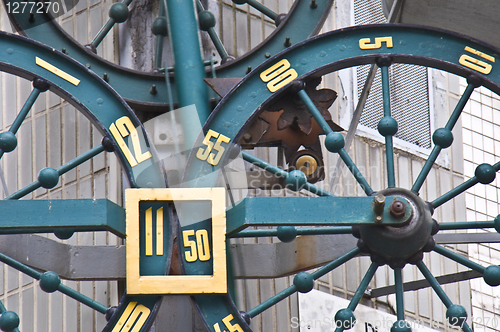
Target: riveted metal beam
(331, 211)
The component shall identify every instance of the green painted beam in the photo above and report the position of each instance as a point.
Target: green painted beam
(308, 211)
(47, 216)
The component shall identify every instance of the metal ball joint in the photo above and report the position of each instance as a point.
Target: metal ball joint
(456, 315)
(296, 86)
(384, 61)
(496, 223)
(334, 142)
(442, 137)
(9, 320)
(387, 126)
(48, 178)
(246, 317)
(206, 20)
(8, 141)
(119, 12)
(63, 234)
(286, 233)
(107, 144)
(344, 318)
(296, 180)
(474, 80)
(280, 18)
(41, 84)
(491, 275)
(159, 26)
(110, 312)
(304, 282)
(485, 173)
(49, 281)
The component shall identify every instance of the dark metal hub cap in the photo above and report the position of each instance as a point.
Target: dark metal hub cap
(398, 245)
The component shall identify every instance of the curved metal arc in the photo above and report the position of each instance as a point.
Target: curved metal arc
(135, 86)
(326, 53)
(94, 97)
(81, 88)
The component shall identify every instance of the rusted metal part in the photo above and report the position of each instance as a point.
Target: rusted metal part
(288, 123)
(397, 209)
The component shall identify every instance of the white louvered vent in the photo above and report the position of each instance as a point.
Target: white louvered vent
(408, 88)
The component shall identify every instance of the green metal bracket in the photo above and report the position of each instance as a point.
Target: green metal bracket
(293, 211)
(47, 216)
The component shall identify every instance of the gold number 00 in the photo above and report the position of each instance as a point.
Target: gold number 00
(200, 248)
(204, 154)
(278, 75)
(121, 129)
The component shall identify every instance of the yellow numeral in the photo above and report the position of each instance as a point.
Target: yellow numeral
(132, 319)
(121, 129)
(205, 154)
(227, 321)
(364, 43)
(199, 249)
(476, 64)
(149, 232)
(278, 75)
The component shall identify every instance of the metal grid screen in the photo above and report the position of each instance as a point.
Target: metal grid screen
(408, 89)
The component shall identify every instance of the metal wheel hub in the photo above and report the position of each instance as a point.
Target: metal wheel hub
(398, 245)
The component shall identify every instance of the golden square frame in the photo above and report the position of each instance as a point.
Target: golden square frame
(179, 284)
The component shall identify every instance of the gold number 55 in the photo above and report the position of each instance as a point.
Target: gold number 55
(205, 154)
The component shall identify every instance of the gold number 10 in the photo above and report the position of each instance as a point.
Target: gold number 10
(476, 64)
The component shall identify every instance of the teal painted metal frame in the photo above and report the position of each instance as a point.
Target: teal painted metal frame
(135, 86)
(46, 216)
(315, 57)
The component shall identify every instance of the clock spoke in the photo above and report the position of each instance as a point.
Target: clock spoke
(346, 316)
(50, 282)
(303, 282)
(9, 319)
(443, 137)
(484, 174)
(387, 126)
(295, 178)
(8, 141)
(49, 177)
(334, 142)
(455, 314)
